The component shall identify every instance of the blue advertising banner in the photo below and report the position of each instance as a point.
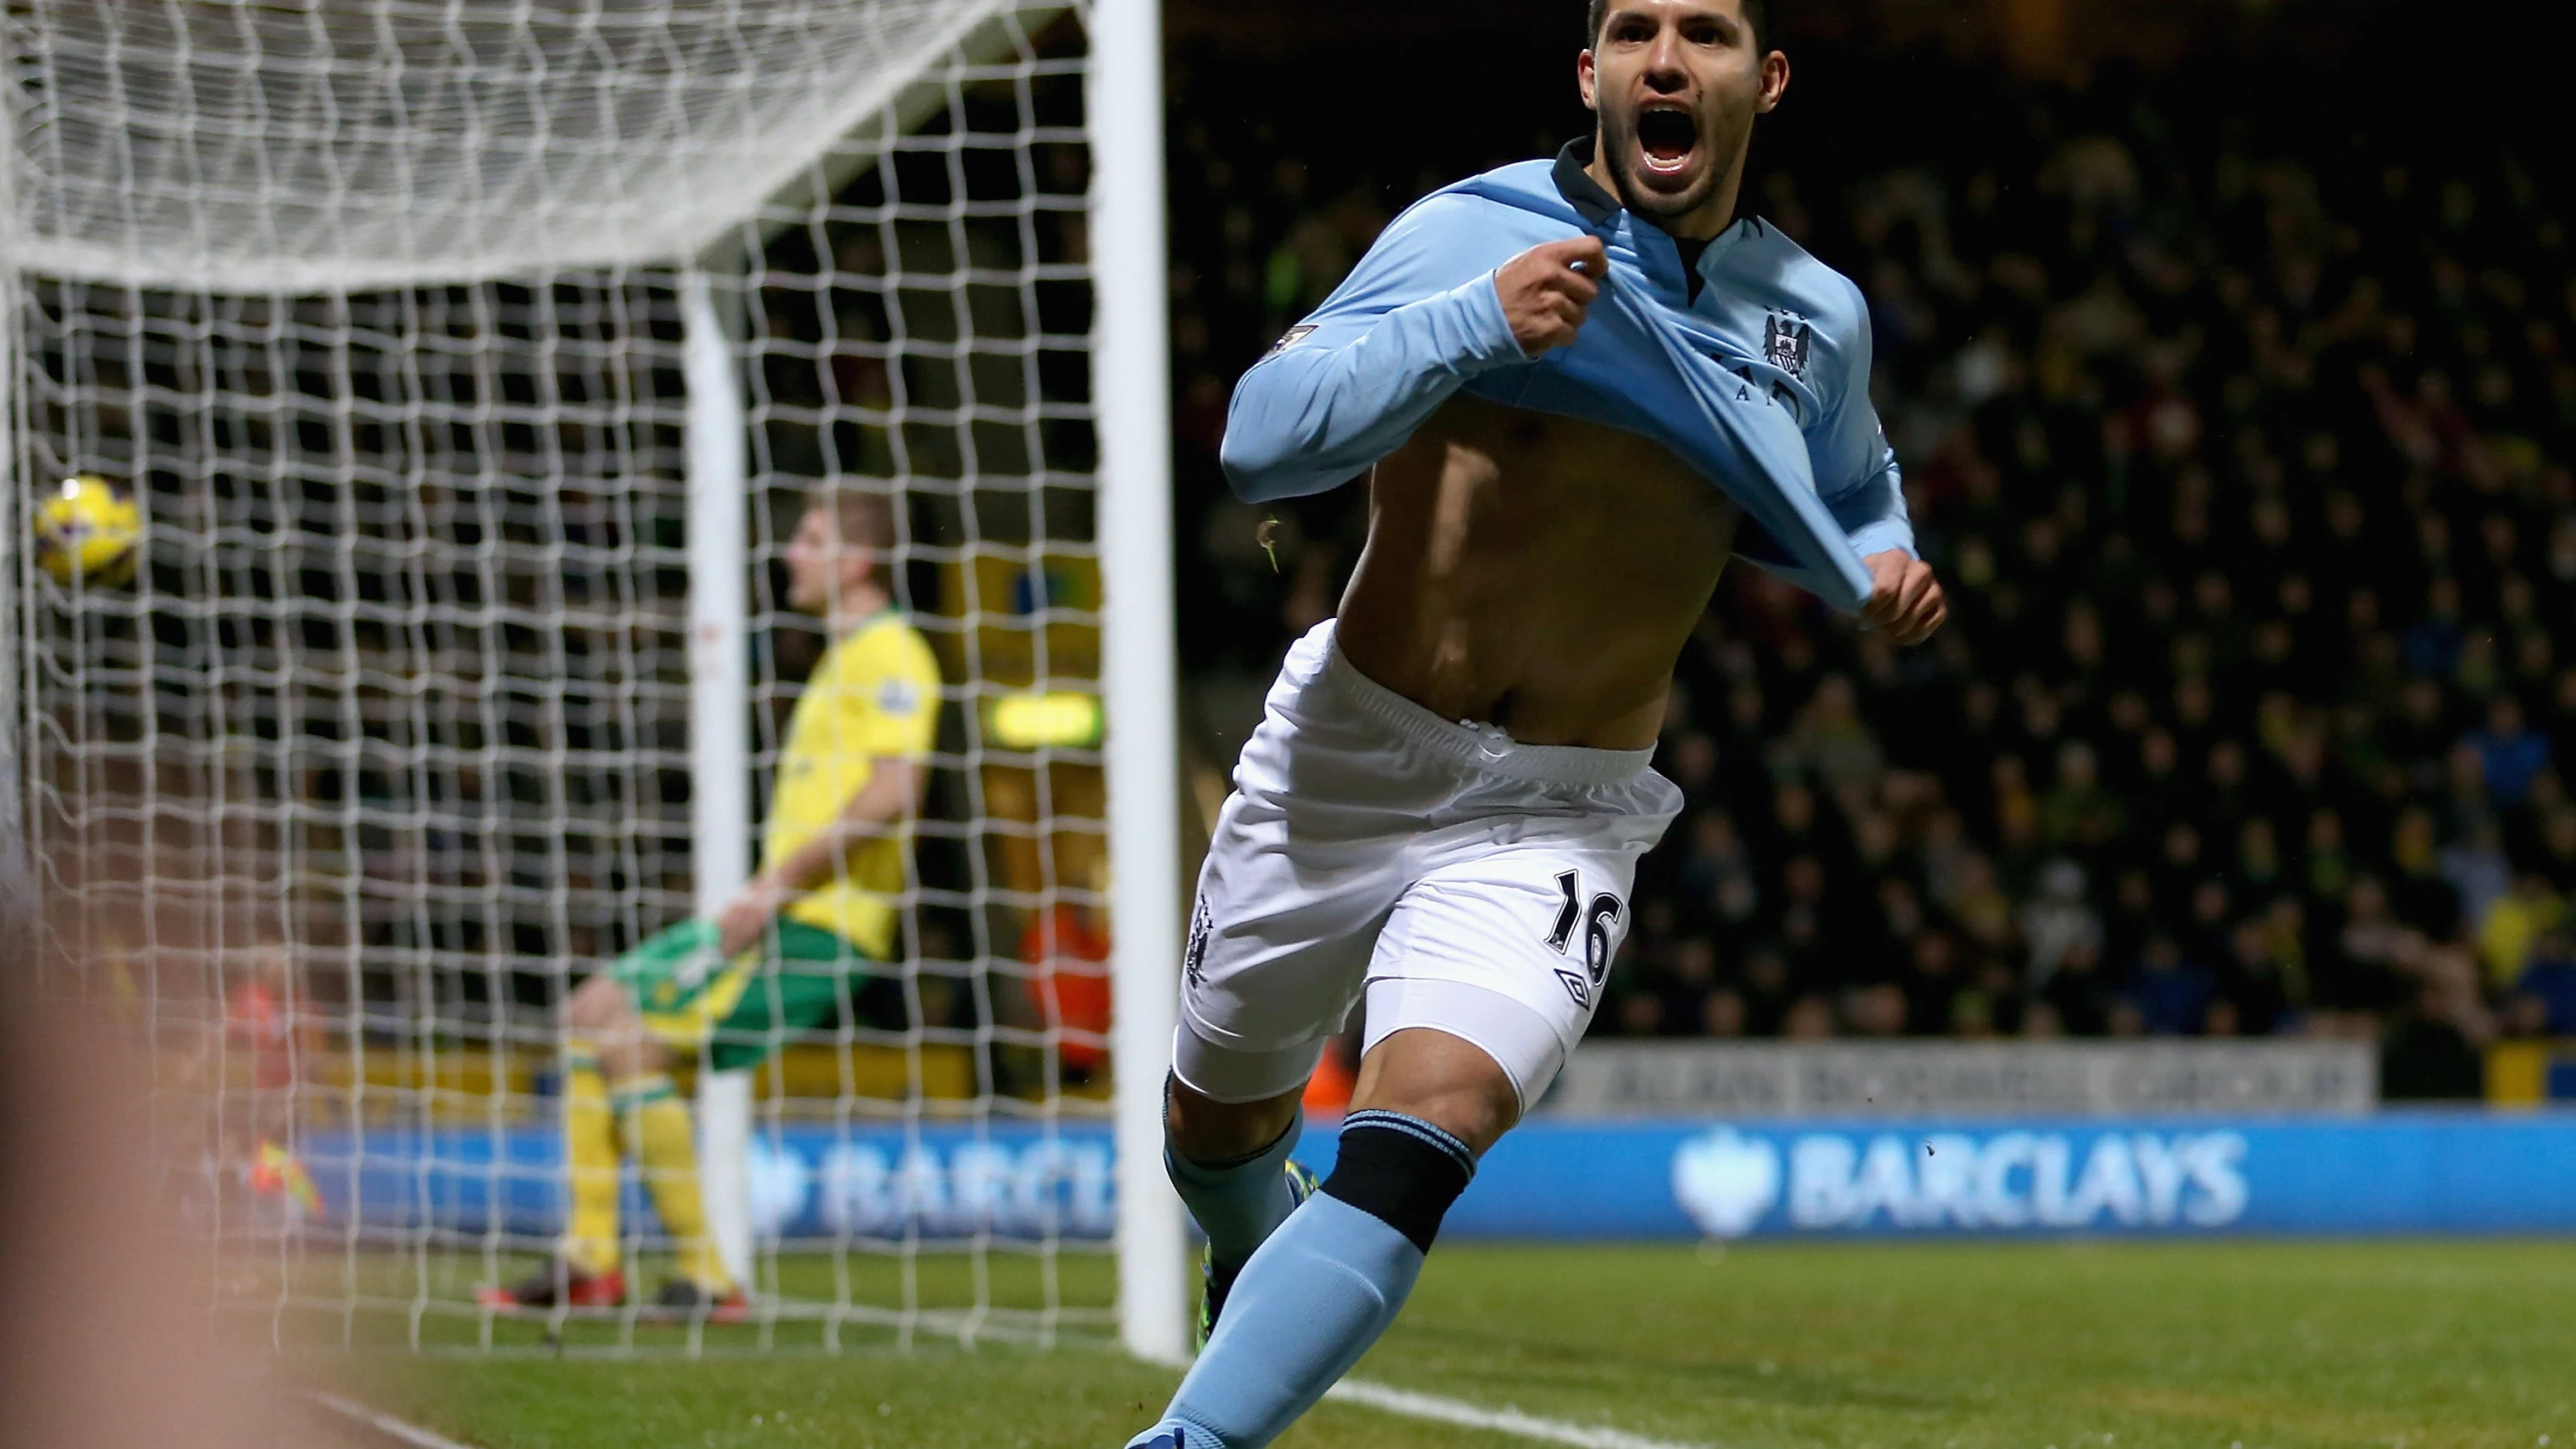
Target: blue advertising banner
(805, 1182)
(2392, 1172)
(2395, 1172)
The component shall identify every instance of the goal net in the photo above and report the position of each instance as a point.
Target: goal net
(468, 364)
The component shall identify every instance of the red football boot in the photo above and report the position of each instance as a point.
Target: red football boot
(681, 1298)
(557, 1283)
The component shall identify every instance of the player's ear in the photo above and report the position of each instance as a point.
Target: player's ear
(1586, 83)
(1775, 81)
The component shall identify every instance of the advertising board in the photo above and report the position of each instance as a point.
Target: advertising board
(2414, 1172)
(1909, 1079)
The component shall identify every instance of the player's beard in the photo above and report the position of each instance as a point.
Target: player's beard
(1619, 137)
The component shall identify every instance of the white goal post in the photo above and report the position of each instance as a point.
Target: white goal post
(1131, 370)
(467, 361)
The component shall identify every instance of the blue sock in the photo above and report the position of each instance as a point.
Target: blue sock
(1323, 1288)
(1239, 1203)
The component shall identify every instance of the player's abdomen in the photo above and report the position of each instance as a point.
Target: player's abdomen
(1535, 573)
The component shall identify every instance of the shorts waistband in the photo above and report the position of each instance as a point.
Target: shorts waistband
(1483, 748)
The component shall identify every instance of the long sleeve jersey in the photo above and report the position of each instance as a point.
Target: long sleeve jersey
(1759, 382)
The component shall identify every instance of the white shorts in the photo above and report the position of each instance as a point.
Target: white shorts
(1460, 880)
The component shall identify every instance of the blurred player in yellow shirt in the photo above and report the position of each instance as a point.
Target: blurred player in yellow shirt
(783, 954)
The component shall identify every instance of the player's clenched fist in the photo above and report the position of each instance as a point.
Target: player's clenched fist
(1546, 288)
(1904, 598)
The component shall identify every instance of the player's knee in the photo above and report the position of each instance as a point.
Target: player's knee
(1427, 1103)
(580, 1009)
(1442, 1079)
(629, 1054)
(1202, 1129)
(597, 1006)
(1401, 1170)
(1477, 1114)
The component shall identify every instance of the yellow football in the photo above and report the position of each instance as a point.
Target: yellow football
(87, 533)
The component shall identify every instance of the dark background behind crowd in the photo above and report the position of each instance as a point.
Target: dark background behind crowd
(2235, 387)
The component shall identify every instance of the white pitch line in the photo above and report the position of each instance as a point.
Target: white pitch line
(1505, 1420)
(386, 1424)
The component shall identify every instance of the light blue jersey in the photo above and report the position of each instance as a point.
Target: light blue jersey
(1760, 383)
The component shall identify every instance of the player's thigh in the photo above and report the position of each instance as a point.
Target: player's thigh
(1507, 948)
(1279, 943)
(660, 972)
(807, 981)
(1442, 1078)
(670, 967)
(675, 985)
(601, 1003)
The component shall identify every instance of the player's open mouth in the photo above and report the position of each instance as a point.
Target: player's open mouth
(1666, 135)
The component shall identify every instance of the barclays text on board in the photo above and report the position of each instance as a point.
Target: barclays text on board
(2393, 1172)
(1729, 1182)
(813, 1183)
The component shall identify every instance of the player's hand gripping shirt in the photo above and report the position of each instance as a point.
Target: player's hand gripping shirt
(1760, 382)
(875, 695)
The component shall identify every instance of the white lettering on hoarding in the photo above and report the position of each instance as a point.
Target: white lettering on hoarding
(1945, 1187)
(1729, 1181)
(2160, 1173)
(2109, 1184)
(2048, 1182)
(1997, 1204)
(1028, 1190)
(2216, 1166)
(1820, 1170)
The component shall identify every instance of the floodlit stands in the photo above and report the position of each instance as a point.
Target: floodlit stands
(2244, 451)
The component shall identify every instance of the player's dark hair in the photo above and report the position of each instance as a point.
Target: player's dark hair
(1757, 14)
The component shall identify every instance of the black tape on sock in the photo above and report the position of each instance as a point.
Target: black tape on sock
(1401, 1170)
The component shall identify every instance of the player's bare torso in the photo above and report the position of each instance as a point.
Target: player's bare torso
(1534, 573)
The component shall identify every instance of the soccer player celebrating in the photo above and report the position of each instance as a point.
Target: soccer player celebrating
(782, 954)
(1572, 381)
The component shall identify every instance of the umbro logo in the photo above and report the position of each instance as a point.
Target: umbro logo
(1786, 339)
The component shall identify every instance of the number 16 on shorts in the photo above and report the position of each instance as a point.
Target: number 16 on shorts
(1599, 921)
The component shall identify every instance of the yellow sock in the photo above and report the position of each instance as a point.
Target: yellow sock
(660, 1134)
(590, 1161)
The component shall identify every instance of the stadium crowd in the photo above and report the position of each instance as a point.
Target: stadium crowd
(2244, 451)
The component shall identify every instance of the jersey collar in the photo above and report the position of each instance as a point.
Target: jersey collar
(1599, 208)
(868, 621)
(1595, 205)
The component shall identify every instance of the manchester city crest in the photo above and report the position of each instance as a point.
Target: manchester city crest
(1785, 340)
(1194, 959)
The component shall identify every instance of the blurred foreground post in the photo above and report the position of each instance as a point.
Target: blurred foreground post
(110, 1341)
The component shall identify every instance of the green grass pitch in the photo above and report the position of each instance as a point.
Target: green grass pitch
(1955, 1346)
